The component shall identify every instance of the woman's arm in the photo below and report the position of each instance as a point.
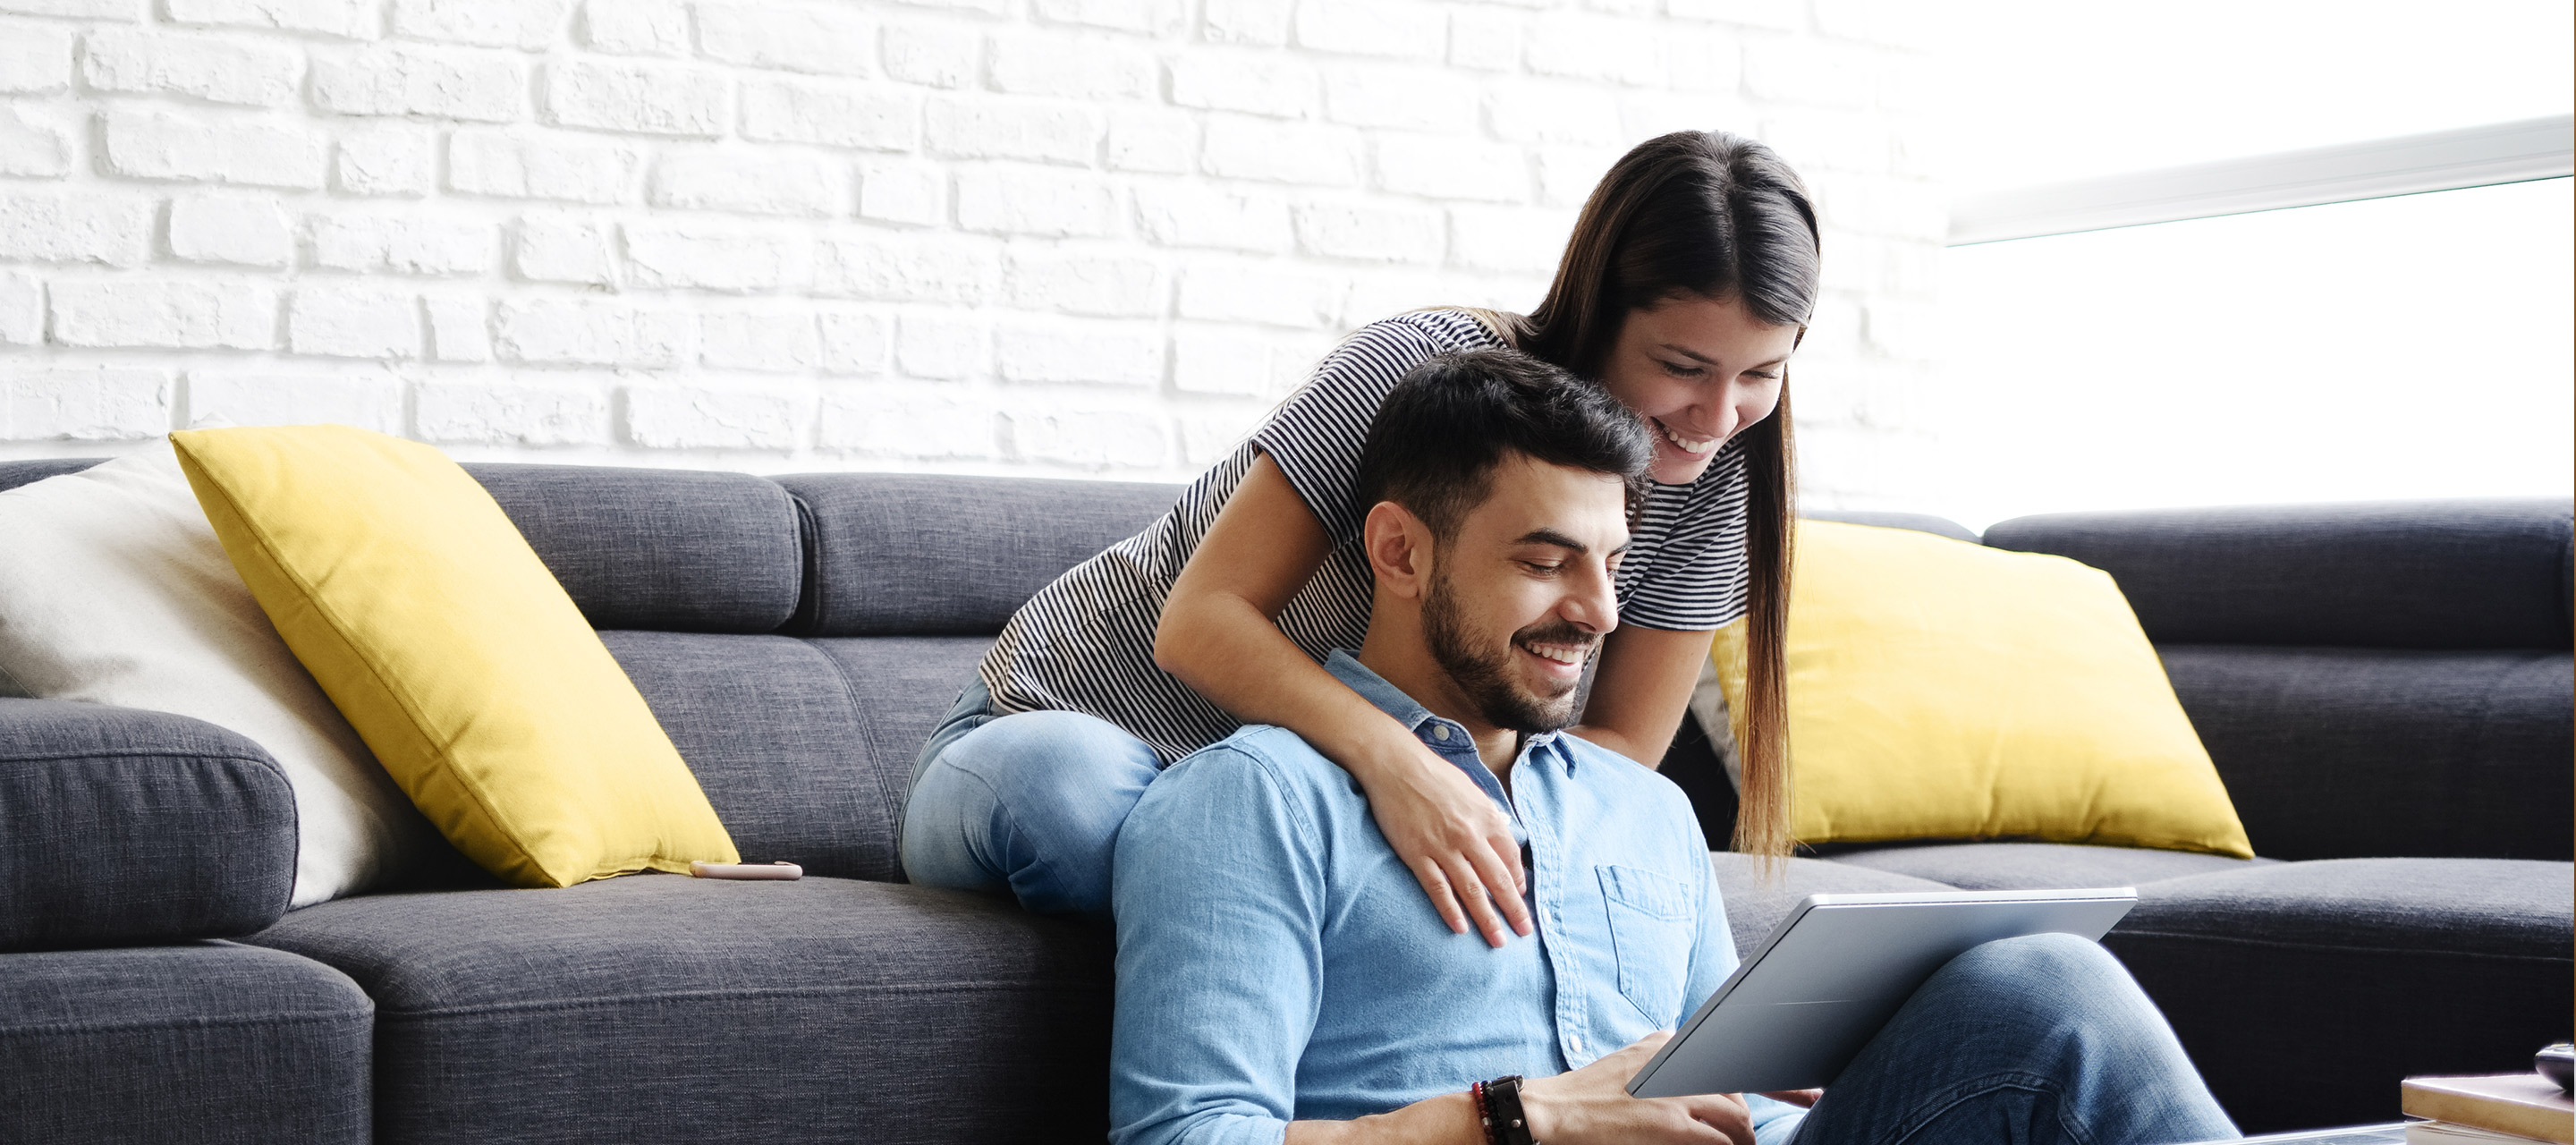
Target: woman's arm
(1641, 689)
(1219, 635)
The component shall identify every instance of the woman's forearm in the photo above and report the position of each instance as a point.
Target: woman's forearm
(1226, 649)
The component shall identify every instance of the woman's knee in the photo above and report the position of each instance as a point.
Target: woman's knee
(1040, 755)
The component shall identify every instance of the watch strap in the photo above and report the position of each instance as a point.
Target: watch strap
(1510, 1124)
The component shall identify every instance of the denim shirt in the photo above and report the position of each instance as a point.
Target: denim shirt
(1276, 961)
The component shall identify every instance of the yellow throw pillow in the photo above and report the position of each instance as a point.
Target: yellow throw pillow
(436, 630)
(1944, 690)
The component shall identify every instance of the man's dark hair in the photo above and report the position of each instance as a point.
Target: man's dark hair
(1452, 419)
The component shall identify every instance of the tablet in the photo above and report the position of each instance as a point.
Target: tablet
(1802, 1006)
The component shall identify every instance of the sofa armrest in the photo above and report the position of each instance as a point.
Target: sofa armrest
(120, 827)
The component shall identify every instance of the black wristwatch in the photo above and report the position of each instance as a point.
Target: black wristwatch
(1504, 1120)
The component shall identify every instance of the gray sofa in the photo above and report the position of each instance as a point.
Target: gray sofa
(2386, 690)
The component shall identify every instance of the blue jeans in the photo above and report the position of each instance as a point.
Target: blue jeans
(1028, 802)
(2043, 1040)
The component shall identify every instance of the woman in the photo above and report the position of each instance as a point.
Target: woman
(1687, 282)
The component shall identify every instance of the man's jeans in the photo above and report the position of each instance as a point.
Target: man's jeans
(2042, 1040)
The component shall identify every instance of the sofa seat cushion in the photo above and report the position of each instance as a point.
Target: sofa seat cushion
(198, 1042)
(1755, 904)
(2305, 991)
(670, 1009)
(2037, 866)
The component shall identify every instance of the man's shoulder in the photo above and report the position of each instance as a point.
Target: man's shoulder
(1634, 788)
(1274, 761)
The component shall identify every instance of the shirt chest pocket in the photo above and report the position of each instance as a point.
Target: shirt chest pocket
(1653, 923)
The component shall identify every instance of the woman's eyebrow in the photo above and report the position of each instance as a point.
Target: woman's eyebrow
(1696, 356)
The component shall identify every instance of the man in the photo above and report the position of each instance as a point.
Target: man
(1280, 974)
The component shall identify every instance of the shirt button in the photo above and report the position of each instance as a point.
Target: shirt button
(1440, 731)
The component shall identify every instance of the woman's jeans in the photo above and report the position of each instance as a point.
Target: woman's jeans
(1030, 802)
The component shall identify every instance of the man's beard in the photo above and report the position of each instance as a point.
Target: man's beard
(1486, 677)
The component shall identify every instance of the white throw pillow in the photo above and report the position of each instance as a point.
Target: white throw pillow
(114, 590)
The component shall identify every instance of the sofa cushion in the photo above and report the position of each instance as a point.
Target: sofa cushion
(1755, 903)
(904, 555)
(31, 470)
(678, 550)
(1919, 522)
(2035, 866)
(2355, 753)
(2411, 574)
(2305, 991)
(119, 826)
(209, 1042)
(670, 1009)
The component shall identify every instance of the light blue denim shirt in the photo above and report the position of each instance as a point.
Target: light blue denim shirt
(1276, 961)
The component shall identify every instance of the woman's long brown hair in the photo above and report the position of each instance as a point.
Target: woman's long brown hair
(1718, 216)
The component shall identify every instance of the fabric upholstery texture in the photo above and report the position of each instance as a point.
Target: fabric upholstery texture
(121, 826)
(2348, 975)
(16, 473)
(203, 1042)
(900, 555)
(675, 550)
(670, 1009)
(1756, 904)
(2417, 574)
(2351, 753)
(2036, 866)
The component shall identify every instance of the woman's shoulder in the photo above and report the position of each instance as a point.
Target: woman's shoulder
(1435, 330)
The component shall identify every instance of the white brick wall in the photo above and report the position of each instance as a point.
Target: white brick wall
(1043, 236)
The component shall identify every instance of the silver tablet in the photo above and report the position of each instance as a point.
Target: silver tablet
(1802, 1006)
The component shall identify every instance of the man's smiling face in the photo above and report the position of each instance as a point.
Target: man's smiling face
(1521, 595)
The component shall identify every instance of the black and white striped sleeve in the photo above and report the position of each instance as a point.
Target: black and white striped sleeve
(1316, 435)
(1695, 577)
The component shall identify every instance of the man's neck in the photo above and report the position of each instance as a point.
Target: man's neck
(1396, 651)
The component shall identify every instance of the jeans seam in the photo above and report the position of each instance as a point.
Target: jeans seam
(1963, 1092)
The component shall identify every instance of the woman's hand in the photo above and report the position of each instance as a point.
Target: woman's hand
(1458, 844)
(1592, 1104)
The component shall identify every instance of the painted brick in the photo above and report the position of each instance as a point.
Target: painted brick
(353, 322)
(246, 230)
(1591, 46)
(1034, 201)
(1086, 282)
(85, 403)
(526, 24)
(1370, 233)
(22, 309)
(478, 411)
(979, 7)
(1702, 59)
(408, 243)
(1786, 15)
(1800, 69)
(1320, 156)
(705, 417)
(887, 421)
(855, 343)
(38, 150)
(1566, 175)
(387, 159)
(590, 332)
(750, 181)
(410, 79)
(636, 27)
(1073, 66)
(1242, 362)
(1886, 22)
(1266, 293)
(42, 226)
(34, 57)
(1644, 115)
(1209, 438)
(164, 313)
(1088, 353)
(646, 98)
(1543, 112)
(943, 346)
(1089, 439)
(1490, 41)
(1191, 214)
(1154, 17)
(79, 9)
(526, 163)
(1402, 29)
(1258, 82)
(772, 341)
(1413, 99)
(1259, 22)
(460, 328)
(933, 55)
(206, 67)
(820, 40)
(1819, 139)
(1144, 139)
(349, 19)
(903, 191)
(214, 148)
(964, 127)
(1507, 239)
(714, 256)
(909, 268)
(1445, 168)
(565, 248)
(834, 114)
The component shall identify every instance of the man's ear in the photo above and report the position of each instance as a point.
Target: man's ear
(1398, 545)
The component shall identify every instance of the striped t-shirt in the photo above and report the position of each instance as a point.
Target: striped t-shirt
(1086, 642)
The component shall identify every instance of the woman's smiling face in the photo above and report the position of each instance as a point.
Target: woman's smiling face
(1700, 370)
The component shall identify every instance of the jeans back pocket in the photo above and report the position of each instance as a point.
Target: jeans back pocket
(1652, 926)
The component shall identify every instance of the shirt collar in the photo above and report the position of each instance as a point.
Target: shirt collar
(1419, 720)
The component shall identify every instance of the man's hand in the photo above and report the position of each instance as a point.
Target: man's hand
(1592, 1105)
(1457, 842)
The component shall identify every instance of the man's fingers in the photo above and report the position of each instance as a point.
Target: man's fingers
(1723, 1112)
(1443, 899)
(1491, 869)
(1480, 905)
